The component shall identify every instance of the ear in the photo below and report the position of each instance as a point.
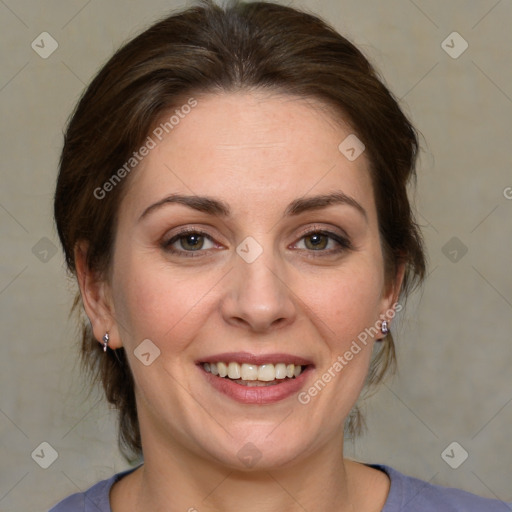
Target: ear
(96, 298)
(392, 293)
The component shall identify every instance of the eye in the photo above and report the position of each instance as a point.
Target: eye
(188, 241)
(324, 242)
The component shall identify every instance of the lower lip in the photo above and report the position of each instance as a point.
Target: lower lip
(257, 394)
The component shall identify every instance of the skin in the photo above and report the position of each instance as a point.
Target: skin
(256, 152)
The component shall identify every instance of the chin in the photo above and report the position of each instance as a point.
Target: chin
(253, 452)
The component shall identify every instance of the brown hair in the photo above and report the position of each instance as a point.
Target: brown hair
(206, 49)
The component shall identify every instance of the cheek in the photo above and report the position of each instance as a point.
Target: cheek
(346, 301)
(158, 302)
(347, 306)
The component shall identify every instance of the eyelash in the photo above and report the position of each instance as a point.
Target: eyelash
(343, 243)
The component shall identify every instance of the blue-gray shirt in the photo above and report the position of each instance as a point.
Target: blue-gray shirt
(405, 494)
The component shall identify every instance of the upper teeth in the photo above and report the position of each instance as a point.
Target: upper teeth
(264, 372)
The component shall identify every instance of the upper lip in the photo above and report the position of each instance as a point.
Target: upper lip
(255, 359)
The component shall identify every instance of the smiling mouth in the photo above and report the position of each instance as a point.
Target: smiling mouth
(253, 375)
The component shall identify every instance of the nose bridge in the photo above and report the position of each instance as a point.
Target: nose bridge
(258, 295)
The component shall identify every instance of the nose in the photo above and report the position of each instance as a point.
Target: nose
(258, 297)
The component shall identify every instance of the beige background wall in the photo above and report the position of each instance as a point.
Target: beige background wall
(454, 340)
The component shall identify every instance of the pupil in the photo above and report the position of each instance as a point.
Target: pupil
(194, 241)
(317, 240)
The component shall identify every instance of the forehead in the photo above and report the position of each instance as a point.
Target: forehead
(254, 149)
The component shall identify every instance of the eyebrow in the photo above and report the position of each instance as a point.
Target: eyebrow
(221, 209)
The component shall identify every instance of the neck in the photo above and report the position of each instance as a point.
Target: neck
(176, 481)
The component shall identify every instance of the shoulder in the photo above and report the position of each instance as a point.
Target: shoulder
(94, 499)
(408, 493)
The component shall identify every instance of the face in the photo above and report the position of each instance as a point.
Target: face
(250, 269)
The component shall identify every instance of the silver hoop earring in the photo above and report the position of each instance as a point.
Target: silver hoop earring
(106, 337)
(384, 328)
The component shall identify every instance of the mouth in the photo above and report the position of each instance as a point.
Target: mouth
(254, 375)
(256, 379)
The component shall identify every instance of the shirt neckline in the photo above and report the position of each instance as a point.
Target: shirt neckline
(393, 502)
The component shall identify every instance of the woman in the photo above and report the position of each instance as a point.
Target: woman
(232, 200)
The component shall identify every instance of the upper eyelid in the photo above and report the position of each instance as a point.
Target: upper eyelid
(331, 229)
(311, 229)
